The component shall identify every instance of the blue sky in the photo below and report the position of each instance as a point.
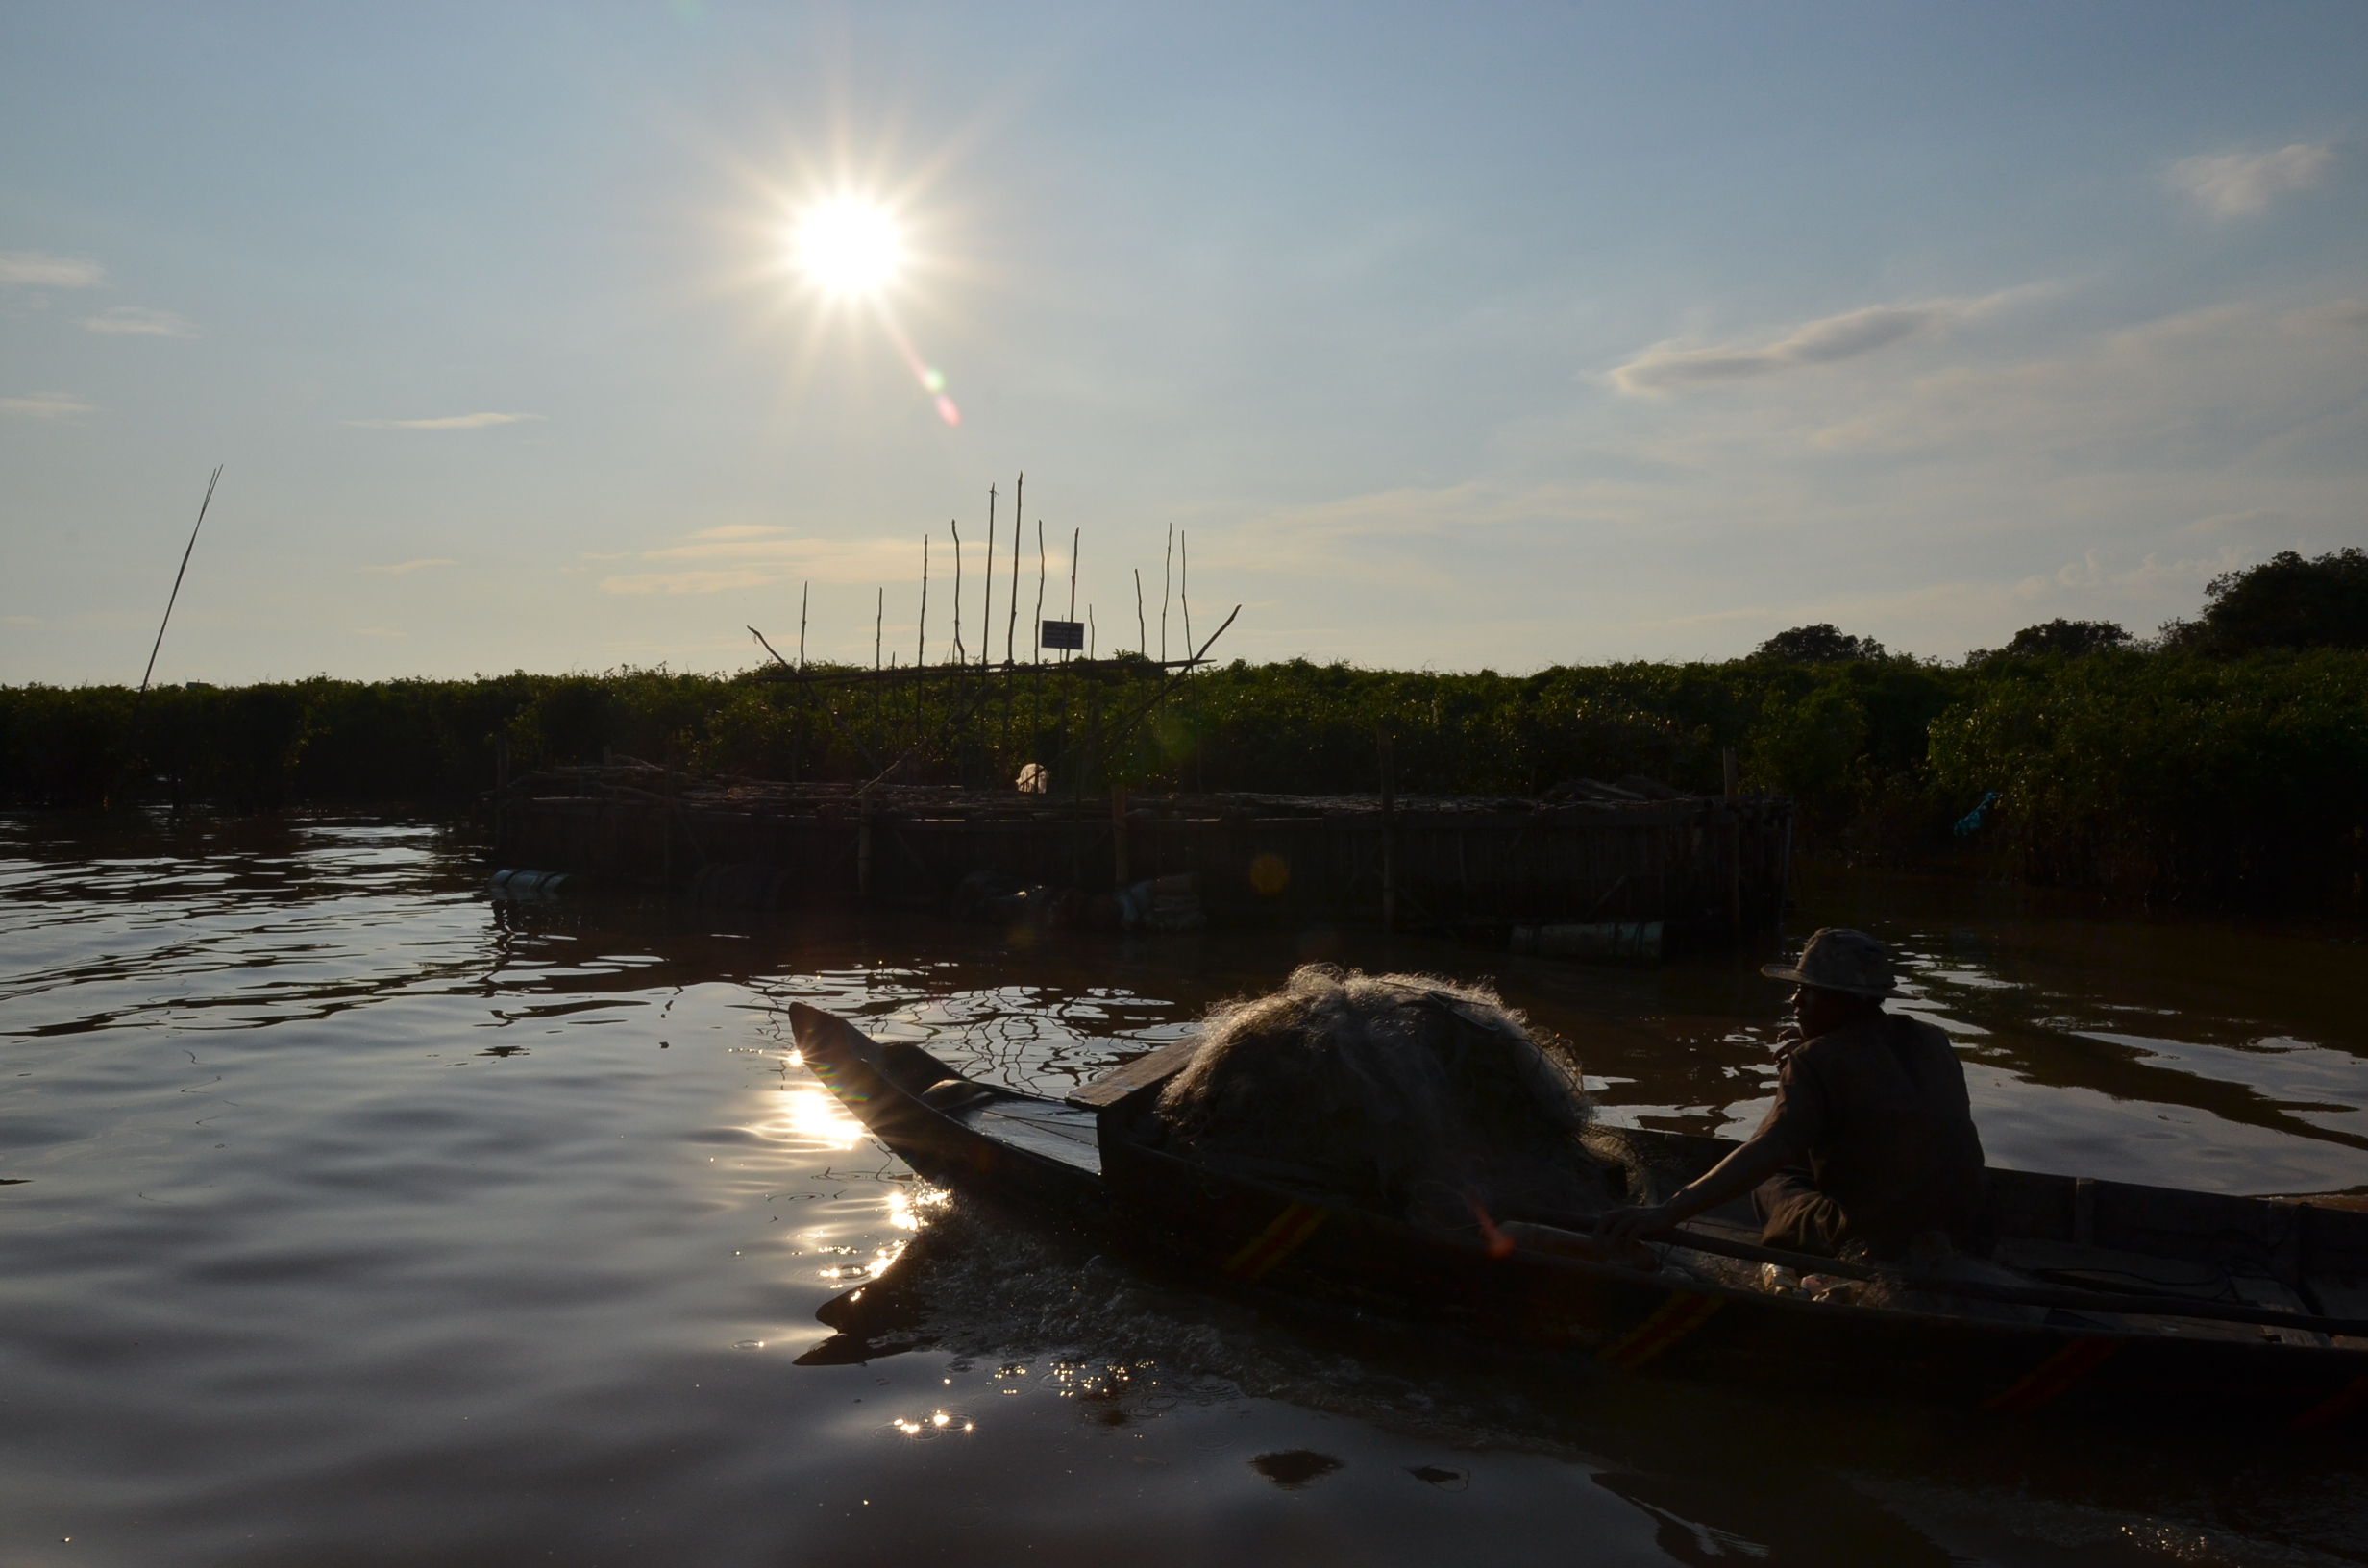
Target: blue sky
(1449, 336)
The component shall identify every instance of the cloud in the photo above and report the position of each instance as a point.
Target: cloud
(2250, 520)
(742, 560)
(2241, 185)
(2204, 387)
(138, 321)
(1672, 366)
(400, 570)
(448, 422)
(39, 269)
(46, 406)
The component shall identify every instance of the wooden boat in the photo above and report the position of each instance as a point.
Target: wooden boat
(2302, 1268)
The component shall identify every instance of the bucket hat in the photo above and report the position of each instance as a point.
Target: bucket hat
(1839, 959)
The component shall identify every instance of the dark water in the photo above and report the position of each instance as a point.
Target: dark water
(365, 1221)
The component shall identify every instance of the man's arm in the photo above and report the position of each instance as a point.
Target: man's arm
(1768, 1152)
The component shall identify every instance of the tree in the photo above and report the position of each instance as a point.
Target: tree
(2285, 601)
(2066, 639)
(1821, 644)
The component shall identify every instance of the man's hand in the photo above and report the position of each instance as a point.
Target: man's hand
(1618, 1229)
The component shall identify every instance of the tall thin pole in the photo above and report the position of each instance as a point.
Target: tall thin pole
(1073, 536)
(921, 649)
(804, 596)
(177, 576)
(986, 605)
(1018, 514)
(1167, 572)
(1143, 638)
(1184, 584)
(1036, 698)
(961, 655)
(1011, 615)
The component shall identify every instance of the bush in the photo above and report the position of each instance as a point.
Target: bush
(2176, 773)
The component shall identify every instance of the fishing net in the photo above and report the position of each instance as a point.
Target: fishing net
(1402, 1093)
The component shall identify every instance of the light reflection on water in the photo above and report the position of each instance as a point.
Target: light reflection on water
(365, 1221)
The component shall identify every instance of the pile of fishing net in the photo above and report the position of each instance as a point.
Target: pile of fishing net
(1401, 1094)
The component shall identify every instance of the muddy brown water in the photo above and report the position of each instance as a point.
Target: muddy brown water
(360, 1219)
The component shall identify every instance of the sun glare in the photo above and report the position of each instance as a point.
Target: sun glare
(848, 246)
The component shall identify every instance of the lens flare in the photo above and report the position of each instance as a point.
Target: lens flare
(852, 249)
(849, 246)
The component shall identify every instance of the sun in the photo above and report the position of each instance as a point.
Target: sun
(848, 246)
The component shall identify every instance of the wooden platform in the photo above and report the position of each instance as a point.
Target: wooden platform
(1710, 867)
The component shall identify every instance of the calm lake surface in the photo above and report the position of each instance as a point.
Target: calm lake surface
(362, 1221)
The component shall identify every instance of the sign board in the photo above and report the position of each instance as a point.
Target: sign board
(1063, 634)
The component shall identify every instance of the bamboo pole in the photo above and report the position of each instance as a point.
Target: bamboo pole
(1018, 514)
(1143, 637)
(1011, 616)
(961, 654)
(986, 605)
(768, 648)
(1036, 700)
(1167, 572)
(804, 595)
(921, 648)
(175, 596)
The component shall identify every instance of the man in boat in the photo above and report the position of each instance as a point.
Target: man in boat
(1870, 1144)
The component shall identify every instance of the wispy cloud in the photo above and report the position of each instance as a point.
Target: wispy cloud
(1678, 366)
(753, 556)
(2242, 185)
(403, 568)
(46, 406)
(448, 422)
(39, 269)
(138, 321)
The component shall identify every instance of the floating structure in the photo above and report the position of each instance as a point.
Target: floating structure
(1590, 870)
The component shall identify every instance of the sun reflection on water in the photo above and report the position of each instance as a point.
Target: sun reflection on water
(812, 1112)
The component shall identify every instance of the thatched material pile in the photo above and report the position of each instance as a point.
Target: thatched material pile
(1405, 1095)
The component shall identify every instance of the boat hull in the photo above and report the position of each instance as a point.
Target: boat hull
(1248, 1234)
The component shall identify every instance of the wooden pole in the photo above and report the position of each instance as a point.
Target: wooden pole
(921, 649)
(175, 596)
(961, 654)
(1075, 537)
(1011, 616)
(1011, 626)
(1732, 775)
(804, 595)
(1143, 638)
(768, 648)
(986, 605)
(1036, 697)
(1167, 574)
